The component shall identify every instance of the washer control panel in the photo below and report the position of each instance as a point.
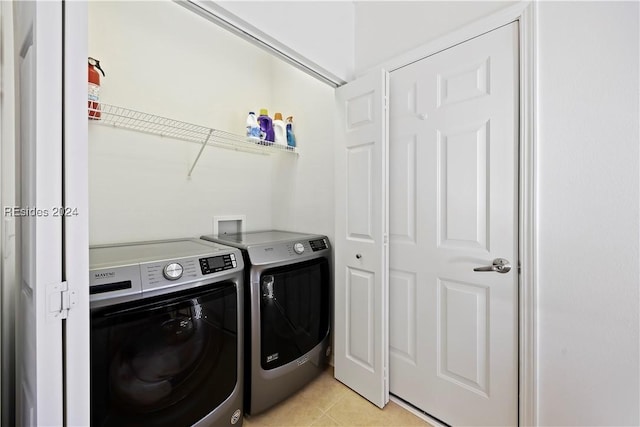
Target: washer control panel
(126, 272)
(218, 263)
(160, 274)
(293, 249)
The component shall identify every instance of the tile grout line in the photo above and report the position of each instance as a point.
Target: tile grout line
(333, 419)
(330, 406)
(325, 412)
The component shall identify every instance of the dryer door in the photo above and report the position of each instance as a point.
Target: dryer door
(294, 311)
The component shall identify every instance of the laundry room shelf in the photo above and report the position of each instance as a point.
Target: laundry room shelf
(111, 115)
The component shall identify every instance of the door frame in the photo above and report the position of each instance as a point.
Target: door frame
(76, 343)
(524, 13)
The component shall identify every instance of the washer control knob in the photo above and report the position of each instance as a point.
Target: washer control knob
(298, 248)
(172, 271)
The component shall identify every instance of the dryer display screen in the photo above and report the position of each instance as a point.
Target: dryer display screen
(215, 262)
(218, 263)
(318, 245)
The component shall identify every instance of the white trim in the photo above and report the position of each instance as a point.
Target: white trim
(449, 40)
(525, 13)
(528, 388)
(76, 230)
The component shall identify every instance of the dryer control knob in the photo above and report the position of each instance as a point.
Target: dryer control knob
(172, 271)
(298, 248)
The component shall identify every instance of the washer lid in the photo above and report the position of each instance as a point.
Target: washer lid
(117, 255)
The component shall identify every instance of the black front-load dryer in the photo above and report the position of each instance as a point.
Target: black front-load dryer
(287, 312)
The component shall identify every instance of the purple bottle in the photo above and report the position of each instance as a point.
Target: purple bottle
(266, 126)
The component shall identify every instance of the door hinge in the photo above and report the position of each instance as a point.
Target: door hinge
(60, 299)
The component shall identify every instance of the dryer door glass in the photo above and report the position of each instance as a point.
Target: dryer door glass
(294, 311)
(169, 361)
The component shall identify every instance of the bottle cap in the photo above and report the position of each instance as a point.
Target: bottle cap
(278, 116)
(251, 112)
(290, 119)
(264, 112)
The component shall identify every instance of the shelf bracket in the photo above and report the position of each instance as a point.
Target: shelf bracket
(204, 144)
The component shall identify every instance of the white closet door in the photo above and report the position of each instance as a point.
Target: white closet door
(453, 208)
(361, 253)
(39, 359)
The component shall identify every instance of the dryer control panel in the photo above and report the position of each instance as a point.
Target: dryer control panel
(318, 244)
(218, 263)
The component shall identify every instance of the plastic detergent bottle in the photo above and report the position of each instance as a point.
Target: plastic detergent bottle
(279, 130)
(291, 138)
(253, 130)
(266, 126)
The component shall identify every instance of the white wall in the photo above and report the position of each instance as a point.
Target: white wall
(588, 259)
(303, 187)
(161, 58)
(321, 31)
(384, 29)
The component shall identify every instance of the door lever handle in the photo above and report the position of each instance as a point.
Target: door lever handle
(500, 265)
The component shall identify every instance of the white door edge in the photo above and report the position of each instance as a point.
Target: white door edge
(38, 31)
(10, 287)
(76, 200)
(527, 219)
(418, 413)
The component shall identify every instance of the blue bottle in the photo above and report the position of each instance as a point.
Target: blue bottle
(291, 138)
(253, 130)
(266, 127)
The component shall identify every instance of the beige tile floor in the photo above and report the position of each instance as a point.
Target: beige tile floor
(327, 402)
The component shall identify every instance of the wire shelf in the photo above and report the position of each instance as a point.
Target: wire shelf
(110, 115)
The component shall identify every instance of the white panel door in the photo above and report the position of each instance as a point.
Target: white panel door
(453, 207)
(39, 358)
(361, 252)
